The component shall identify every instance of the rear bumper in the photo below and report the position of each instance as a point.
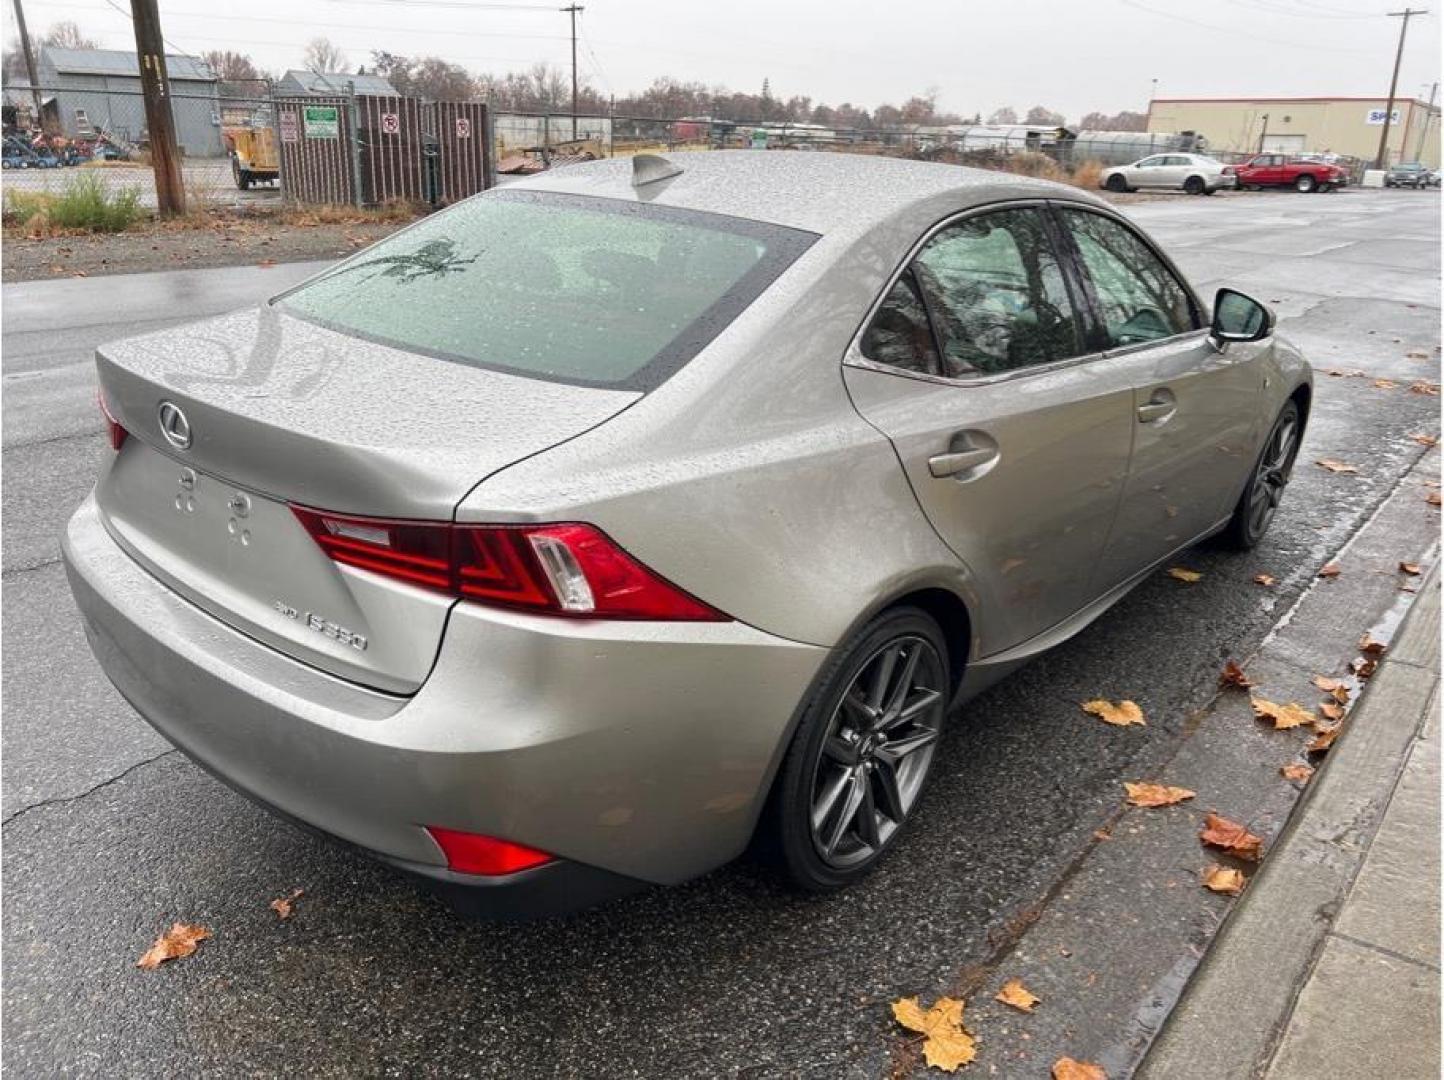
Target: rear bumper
(634, 750)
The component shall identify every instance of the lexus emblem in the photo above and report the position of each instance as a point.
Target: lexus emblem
(174, 425)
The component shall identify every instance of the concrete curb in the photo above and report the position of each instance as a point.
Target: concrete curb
(1232, 1016)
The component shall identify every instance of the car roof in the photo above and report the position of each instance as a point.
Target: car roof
(818, 191)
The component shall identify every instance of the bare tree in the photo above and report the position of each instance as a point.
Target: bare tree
(67, 35)
(1006, 115)
(324, 58)
(231, 66)
(1124, 121)
(1040, 115)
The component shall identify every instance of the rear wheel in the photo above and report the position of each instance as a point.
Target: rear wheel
(1260, 499)
(1116, 183)
(1305, 183)
(1194, 185)
(862, 752)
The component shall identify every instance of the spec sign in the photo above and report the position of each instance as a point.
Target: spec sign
(322, 122)
(463, 127)
(1376, 116)
(390, 123)
(290, 127)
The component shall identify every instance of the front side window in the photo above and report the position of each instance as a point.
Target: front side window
(595, 292)
(1139, 298)
(996, 294)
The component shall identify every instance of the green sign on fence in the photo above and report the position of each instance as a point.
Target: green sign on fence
(321, 122)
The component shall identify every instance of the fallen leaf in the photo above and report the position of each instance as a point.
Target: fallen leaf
(1417, 354)
(1014, 993)
(1432, 498)
(180, 940)
(1233, 676)
(266, 263)
(1324, 739)
(1223, 879)
(1156, 794)
(1384, 384)
(1336, 466)
(1427, 388)
(1230, 836)
(1410, 568)
(1326, 684)
(1331, 710)
(1284, 716)
(1266, 580)
(1425, 440)
(1297, 771)
(1181, 574)
(1332, 569)
(1363, 667)
(1119, 715)
(282, 904)
(1065, 1068)
(1370, 647)
(948, 1046)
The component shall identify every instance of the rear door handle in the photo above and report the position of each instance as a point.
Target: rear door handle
(968, 452)
(1160, 407)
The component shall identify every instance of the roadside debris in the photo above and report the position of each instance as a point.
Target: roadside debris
(180, 940)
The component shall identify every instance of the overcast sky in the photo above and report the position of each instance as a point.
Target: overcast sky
(1069, 55)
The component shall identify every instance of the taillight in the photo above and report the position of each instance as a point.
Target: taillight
(472, 853)
(561, 569)
(1229, 170)
(113, 429)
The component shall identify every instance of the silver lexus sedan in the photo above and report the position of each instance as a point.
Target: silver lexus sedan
(581, 535)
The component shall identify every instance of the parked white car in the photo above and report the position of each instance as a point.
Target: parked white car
(1193, 173)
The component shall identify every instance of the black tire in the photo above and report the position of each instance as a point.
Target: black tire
(1116, 183)
(1251, 187)
(1305, 184)
(1194, 185)
(1271, 471)
(857, 751)
(1210, 191)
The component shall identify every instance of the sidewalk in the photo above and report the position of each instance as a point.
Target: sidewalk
(1329, 967)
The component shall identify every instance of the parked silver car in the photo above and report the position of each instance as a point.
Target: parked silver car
(580, 534)
(1191, 173)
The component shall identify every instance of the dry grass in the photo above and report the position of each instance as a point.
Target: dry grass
(341, 214)
(1087, 175)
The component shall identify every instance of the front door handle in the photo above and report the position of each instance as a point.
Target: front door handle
(971, 452)
(1159, 407)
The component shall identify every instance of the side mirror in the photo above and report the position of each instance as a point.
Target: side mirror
(1237, 317)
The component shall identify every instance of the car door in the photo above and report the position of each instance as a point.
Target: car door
(1196, 403)
(1014, 436)
(1148, 172)
(1174, 170)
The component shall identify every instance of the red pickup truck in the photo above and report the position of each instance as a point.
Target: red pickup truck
(1280, 170)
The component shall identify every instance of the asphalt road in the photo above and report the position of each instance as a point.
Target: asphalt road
(109, 835)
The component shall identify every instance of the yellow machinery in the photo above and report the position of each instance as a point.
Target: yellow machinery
(253, 155)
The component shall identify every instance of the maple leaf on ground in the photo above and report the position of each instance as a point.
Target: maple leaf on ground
(1156, 794)
(1363, 667)
(1410, 568)
(1297, 771)
(1384, 384)
(1335, 466)
(1233, 676)
(948, 1045)
(1332, 569)
(1324, 739)
(1266, 580)
(1284, 716)
(1181, 574)
(1119, 715)
(1432, 498)
(1014, 993)
(1425, 440)
(282, 904)
(1223, 879)
(1426, 388)
(1330, 710)
(1230, 836)
(180, 940)
(1370, 647)
(1066, 1068)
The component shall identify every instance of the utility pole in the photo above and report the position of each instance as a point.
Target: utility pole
(572, 11)
(1428, 119)
(30, 65)
(159, 120)
(1381, 159)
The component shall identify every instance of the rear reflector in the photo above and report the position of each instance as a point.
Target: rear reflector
(472, 853)
(113, 430)
(563, 569)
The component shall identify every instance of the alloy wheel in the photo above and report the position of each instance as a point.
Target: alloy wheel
(877, 750)
(1272, 475)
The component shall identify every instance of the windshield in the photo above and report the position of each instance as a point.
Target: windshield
(597, 292)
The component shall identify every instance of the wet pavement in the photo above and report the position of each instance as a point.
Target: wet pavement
(110, 836)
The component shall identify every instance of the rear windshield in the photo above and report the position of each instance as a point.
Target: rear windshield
(597, 292)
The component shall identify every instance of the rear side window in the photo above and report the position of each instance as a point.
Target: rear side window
(596, 292)
(900, 334)
(1139, 298)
